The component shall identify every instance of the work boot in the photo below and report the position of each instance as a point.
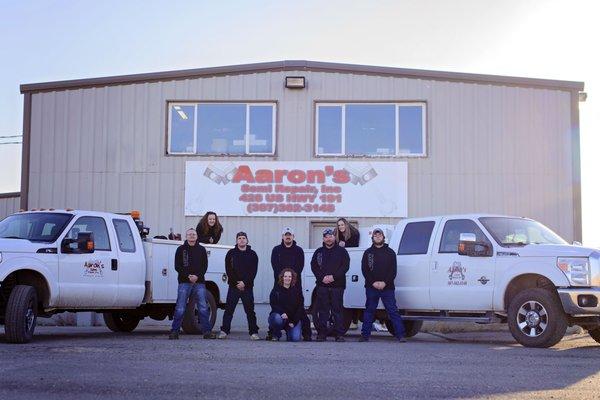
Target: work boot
(402, 340)
(321, 338)
(307, 338)
(363, 339)
(269, 336)
(209, 335)
(340, 339)
(174, 335)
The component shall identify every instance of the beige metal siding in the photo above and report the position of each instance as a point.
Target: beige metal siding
(491, 148)
(9, 205)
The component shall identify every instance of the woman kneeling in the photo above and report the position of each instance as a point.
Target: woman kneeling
(286, 307)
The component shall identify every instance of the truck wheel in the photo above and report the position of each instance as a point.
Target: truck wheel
(21, 314)
(595, 334)
(190, 323)
(536, 318)
(121, 322)
(411, 328)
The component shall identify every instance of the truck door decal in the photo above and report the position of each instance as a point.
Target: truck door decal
(93, 268)
(457, 274)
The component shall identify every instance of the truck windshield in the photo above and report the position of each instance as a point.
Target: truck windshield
(510, 232)
(37, 227)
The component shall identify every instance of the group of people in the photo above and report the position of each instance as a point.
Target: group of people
(329, 264)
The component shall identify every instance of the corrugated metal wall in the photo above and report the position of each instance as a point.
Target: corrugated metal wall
(491, 148)
(9, 205)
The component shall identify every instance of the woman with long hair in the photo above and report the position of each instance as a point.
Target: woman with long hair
(345, 234)
(286, 307)
(209, 228)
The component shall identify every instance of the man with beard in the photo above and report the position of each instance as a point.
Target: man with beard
(330, 264)
(379, 266)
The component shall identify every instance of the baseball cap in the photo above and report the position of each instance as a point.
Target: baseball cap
(327, 231)
(377, 230)
(287, 230)
(237, 235)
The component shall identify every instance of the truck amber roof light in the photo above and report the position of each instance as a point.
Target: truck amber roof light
(136, 214)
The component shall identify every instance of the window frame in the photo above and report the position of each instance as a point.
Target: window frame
(441, 241)
(121, 220)
(431, 236)
(172, 103)
(397, 104)
(105, 227)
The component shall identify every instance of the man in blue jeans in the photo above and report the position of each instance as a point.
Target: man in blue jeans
(379, 267)
(191, 263)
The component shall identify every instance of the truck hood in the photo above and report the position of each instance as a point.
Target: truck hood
(21, 246)
(550, 250)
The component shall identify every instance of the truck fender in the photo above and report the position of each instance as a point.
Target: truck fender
(553, 274)
(32, 264)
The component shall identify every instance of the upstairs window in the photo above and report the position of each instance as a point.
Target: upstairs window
(371, 129)
(221, 128)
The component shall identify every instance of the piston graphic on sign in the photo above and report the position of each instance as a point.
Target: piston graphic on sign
(360, 176)
(220, 175)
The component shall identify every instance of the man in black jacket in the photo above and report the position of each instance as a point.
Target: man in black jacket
(241, 265)
(289, 255)
(379, 267)
(330, 264)
(191, 264)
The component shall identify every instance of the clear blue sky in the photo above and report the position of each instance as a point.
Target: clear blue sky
(56, 40)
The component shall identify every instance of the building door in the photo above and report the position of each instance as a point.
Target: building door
(88, 280)
(461, 283)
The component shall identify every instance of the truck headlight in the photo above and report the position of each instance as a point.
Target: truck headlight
(577, 270)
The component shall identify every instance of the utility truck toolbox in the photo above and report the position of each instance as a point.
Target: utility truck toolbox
(70, 260)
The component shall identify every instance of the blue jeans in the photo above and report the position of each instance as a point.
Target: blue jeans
(277, 324)
(389, 302)
(190, 291)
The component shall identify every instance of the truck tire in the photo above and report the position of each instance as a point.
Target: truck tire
(120, 321)
(21, 314)
(190, 323)
(536, 318)
(595, 334)
(411, 328)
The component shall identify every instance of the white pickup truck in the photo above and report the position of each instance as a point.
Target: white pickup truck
(68, 260)
(484, 269)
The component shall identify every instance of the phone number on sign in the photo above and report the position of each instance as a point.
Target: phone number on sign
(293, 208)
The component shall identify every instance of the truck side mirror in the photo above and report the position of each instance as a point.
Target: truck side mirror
(82, 245)
(469, 246)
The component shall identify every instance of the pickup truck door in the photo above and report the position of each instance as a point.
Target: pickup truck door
(87, 280)
(413, 245)
(130, 263)
(461, 283)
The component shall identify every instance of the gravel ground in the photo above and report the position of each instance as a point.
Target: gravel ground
(93, 363)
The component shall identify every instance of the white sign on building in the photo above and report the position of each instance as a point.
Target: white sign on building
(289, 189)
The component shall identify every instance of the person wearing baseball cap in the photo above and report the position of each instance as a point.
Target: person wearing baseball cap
(330, 264)
(289, 255)
(379, 266)
(241, 265)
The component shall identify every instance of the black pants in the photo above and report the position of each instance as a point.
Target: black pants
(233, 296)
(330, 302)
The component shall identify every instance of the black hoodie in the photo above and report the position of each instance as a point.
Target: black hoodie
(190, 260)
(241, 266)
(288, 301)
(334, 261)
(284, 257)
(379, 264)
(212, 233)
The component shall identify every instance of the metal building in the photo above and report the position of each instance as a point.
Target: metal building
(478, 143)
